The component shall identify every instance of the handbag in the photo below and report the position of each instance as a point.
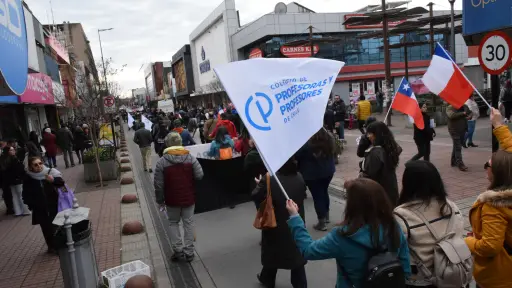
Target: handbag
(66, 197)
(265, 217)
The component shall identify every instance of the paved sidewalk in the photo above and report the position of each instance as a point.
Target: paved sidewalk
(23, 258)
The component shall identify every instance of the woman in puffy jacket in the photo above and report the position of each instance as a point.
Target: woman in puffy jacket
(491, 216)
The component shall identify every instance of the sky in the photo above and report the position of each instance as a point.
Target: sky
(154, 30)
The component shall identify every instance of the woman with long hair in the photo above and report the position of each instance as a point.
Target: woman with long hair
(316, 164)
(491, 216)
(368, 225)
(423, 196)
(40, 195)
(13, 172)
(381, 159)
(278, 250)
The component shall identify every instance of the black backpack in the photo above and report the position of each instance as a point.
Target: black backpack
(383, 270)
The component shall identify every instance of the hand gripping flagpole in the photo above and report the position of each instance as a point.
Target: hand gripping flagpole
(473, 86)
(272, 172)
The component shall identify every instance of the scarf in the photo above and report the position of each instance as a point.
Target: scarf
(179, 130)
(42, 175)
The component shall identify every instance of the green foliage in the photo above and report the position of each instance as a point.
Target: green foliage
(105, 153)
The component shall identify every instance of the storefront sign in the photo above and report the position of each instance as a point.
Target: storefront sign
(372, 26)
(485, 15)
(39, 89)
(255, 53)
(13, 48)
(370, 88)
(356, 90)
(59, 49)
(205, 65)
(299, 51)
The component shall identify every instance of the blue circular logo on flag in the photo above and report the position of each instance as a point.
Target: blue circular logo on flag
(260, 119)
(13, 46)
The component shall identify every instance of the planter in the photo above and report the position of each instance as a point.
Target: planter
(109, 171)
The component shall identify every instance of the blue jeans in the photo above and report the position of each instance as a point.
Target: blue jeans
(342, 130)
(471, 129)
(319, 191)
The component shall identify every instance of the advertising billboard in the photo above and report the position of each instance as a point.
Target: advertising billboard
(13, 47)
(479, 16)
(39, 89)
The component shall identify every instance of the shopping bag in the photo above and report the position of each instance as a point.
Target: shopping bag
(265, 217)
(66, 197)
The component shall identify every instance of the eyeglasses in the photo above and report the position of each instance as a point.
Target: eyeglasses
(487, 165)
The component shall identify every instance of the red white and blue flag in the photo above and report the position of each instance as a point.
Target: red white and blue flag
(405, 101)
(445, 79)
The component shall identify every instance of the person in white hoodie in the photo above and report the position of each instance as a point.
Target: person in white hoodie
(423, 196)
(475, 113)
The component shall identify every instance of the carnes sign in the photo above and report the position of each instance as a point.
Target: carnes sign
(299, 51)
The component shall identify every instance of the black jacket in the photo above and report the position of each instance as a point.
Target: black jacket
(340, 110)
(278, 249)
(364, 144)
(41, 197)
(376, 166)
(34, 149)
(427, 134)
(80, 140)
(329, 119)
(12, 170)
(64, 139)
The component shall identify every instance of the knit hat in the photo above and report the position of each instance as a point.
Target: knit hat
(177, 123)
(173, 139)
(48, 130)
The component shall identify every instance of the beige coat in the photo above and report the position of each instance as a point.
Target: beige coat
(419, 238)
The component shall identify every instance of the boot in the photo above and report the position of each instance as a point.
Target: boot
(463, 167)
(320, 226)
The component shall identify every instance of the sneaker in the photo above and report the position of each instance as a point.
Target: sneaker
(189, 258)
(177, 256)
(472, 145)
(463, 167)
(150, 170)
(320, 226)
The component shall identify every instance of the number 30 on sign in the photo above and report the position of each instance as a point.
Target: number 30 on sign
(494, 52)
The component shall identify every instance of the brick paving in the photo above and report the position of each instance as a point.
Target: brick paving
(23, 258)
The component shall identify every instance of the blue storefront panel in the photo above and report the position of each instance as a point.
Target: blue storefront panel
(481, 16)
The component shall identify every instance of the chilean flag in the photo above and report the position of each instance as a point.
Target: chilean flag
(445, 79)
(405, 101)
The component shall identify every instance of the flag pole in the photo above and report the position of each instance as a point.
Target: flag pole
(271, 172)
(389, 110)
(470, 83)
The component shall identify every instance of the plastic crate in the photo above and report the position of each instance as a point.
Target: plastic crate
(118, 276)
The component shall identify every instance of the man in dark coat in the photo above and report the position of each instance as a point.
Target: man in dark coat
(65, 143)
(278, 249)
(457, 126)
(340, 111)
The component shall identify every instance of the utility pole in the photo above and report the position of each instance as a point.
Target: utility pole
(387, 62)
(452, 36)
(106, 87)
(311, 46)
(431, 30)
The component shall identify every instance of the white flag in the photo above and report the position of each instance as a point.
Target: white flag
(281, 101)
(147, 123)
(130, 120)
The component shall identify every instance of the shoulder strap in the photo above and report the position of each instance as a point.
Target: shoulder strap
(451, 222)
(269, 192)
(426, 222)
(50, 171)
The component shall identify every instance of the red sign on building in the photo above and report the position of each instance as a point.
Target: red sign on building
(255, 53)
(299, 51)
(372, 26)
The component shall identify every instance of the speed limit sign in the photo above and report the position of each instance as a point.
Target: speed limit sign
(494, 52)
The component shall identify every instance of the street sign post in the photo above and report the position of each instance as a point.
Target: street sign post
(109, 104)
(494, 52)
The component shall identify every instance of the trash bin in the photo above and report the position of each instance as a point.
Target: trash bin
(83, 256)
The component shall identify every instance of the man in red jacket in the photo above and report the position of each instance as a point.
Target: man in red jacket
(226, 123)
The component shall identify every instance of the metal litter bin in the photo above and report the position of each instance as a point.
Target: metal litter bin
(74, 244)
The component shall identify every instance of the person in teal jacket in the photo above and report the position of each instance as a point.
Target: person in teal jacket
(368, 212)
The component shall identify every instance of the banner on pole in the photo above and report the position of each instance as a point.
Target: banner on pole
(281, 101)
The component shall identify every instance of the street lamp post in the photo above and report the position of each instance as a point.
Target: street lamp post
(102, 60)
(452, 36)
(106, 86)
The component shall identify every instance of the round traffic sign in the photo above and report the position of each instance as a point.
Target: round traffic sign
(494, 52)
(108, 101)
